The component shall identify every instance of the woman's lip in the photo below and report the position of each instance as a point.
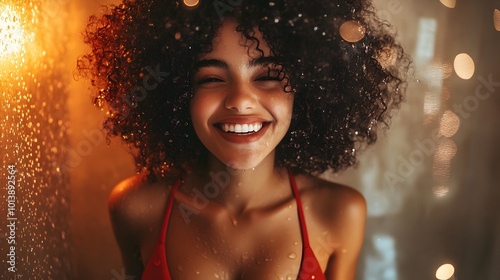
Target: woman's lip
(240, 138)
(242, 120)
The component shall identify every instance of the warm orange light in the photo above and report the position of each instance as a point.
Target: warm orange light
(440, 191)
(445, 272)
(352, 31)
(449, 124)
(464, 66)
(445, 151)
(496, 19)
(11, 33)
(449, 3)
(191, 3)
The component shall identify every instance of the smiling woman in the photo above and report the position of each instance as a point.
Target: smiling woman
(256, 102)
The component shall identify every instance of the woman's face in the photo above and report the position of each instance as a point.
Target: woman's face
(239, 110)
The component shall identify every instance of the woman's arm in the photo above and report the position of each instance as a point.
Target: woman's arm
(125, 229)
(350, 228)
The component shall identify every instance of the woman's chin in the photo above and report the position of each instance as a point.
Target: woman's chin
(242, 166)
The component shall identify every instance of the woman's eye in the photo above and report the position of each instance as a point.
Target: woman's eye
(208, 80)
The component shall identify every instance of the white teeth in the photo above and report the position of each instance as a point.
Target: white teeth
(241, 128)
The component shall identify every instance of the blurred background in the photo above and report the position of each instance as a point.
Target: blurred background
(430, 181)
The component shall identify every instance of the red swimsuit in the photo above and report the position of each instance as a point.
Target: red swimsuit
(157, 267)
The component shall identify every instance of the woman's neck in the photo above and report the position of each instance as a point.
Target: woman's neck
(239, 190)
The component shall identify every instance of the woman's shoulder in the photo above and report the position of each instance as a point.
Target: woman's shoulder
(333, 205)
(333, 195)
(136, 203)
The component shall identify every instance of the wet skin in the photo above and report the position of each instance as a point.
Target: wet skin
(250, 228)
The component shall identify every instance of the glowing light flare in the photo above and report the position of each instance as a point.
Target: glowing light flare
(464, 66)
(449, 125)
(387, 57)
(496, 19)
(352, 31)
(449, 3)
(12, 33)
(445, 151)
(440, 191)
(445, 272)
(432, 103)
(191, 3)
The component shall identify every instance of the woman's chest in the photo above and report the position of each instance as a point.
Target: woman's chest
(261, 245)
(258, 245)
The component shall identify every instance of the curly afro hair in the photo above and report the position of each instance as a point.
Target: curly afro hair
(143, 53)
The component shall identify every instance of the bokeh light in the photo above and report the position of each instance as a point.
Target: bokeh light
(440, 190)
(432, 103)
(449, 125)
(496, 19)
(449, 3)
(352, 31)
(445, 272)
(33, 124)
(445, 151)
(11, 32)
(464, 66)
(191, 3)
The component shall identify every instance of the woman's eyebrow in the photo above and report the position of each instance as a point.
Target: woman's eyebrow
(210, 63)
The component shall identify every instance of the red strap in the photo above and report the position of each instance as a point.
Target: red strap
(300, 211)
(170, 204)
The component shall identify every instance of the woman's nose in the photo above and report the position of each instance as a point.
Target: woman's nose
(240, 98)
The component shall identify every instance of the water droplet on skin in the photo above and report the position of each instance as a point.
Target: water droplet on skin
(289, 277)
(214, 251)
(292, 256)
(288, 219)
(197, 272)
(295, 243)
(180, 268)
(216, 276)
